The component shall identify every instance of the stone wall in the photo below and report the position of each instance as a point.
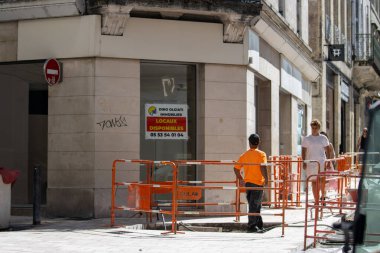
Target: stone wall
(225, 124)
(71, 141)
(8, 41)
(82, 145)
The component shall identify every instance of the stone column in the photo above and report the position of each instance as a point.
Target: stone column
(116, 127)
(94, 118)
(294, 126)
(225, 118)
(319, 100)
(71, 141)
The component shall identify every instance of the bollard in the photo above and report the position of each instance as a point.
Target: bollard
(37, 196)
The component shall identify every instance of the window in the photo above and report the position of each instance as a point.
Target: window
(299, 17)
(168, 86)
(328, 21)
(281, 7)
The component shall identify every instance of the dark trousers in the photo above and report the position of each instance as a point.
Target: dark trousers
(254, 198)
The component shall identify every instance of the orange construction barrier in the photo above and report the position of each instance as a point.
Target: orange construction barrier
(188, 194)
(319, 205)
(139, 193)
(206, 185)
(293, 186)
(184, 193)
(347, 176)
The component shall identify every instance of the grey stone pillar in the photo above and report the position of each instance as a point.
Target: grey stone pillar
(94, 118)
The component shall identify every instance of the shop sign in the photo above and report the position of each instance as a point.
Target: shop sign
(189, 193)
(166, 121)
(336, 52)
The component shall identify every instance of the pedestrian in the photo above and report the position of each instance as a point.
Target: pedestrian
(361, 146)
(315, 147)
(255, 175)
(332, 183)
(362, 141)
(331, 147)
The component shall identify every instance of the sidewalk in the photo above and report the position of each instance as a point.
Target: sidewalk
(95, 235)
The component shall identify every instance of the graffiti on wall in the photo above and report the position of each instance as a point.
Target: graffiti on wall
(112, 123)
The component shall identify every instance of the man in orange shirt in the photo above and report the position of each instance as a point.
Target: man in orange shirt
(255, 175)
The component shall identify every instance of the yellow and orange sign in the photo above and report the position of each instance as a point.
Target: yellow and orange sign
(189, 193)
(166, 121)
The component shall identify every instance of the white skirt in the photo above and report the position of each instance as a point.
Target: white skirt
(312, 169)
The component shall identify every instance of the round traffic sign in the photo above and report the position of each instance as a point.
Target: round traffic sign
(52, 71)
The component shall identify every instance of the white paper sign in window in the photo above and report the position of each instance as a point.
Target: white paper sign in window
(166, 121)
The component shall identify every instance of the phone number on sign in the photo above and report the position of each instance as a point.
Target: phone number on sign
(166, 134)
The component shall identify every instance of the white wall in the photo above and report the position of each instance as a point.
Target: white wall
(68, 37)
(143, 39)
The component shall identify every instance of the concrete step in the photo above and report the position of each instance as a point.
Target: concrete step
(26, 210)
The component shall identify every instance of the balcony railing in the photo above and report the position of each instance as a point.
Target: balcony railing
(367, 50)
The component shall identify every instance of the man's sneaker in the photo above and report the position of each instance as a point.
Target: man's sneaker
(255, 229)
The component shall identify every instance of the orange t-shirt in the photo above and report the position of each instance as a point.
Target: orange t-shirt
(252, 173)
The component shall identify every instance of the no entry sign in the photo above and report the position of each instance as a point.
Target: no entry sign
(52, 71)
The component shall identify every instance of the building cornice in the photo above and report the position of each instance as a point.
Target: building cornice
(12, 10)
(235, 15)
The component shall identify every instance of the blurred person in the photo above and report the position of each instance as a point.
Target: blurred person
(361, 145)
(331, 147)
(315, 147)
(331, 165)
(362, 141)
(254, 176)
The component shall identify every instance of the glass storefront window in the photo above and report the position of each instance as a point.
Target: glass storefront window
(167, 130)
(301, 127)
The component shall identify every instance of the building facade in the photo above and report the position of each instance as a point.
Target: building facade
(366, 56)
(333, 102)
(347, 86)
(232, 68)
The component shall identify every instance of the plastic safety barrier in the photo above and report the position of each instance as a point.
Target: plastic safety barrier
(293, 186)
(186, 196)
(342, 196)
(139, 193)
(232, 186)
(187, 193)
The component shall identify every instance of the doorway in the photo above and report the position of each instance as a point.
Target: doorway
(24, 107)
(342, 146)
(285, 123)
(301, 127)
(263, 113)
